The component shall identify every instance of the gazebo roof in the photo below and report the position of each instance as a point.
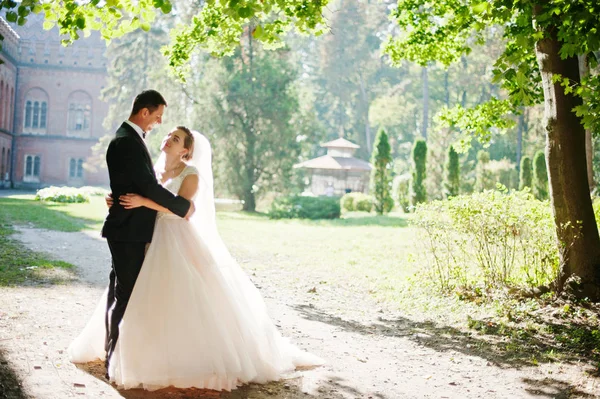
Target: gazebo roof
(340, 143)
(335, 163)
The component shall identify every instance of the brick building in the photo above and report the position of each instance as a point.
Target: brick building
(50, 112)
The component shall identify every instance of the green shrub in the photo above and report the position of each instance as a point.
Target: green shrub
(401, 186)
(347, 202)
(493, 238)
(418, 192)
(298, 207)
(596, 204)
(381, 175)
(357, 202)
(94, 191)
(525, 176)
(451, 174)
(540, 176)
(364, 203)
(62, 194)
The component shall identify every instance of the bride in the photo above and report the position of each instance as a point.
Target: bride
(194, 318)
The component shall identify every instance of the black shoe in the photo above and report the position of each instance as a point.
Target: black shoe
(106, 367)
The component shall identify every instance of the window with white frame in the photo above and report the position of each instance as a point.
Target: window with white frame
(32, 168)
(76, 168)
(7, 175)
(35, 120)
(80, 111)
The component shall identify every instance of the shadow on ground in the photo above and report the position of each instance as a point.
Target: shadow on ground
(500, 348)
(291, 388)
(10, 384)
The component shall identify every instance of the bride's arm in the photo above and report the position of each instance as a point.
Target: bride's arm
(188, 189)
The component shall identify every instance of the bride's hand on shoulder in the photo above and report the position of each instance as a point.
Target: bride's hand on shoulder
(130, 201)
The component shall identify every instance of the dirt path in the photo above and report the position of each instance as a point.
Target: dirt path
(370, 353)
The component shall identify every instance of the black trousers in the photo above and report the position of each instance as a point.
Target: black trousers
(127, 260)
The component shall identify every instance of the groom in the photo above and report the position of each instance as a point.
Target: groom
(128, 230)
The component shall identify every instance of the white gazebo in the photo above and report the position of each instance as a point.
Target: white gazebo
(338, 172)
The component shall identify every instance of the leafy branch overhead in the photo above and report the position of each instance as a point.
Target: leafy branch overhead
(443, 31)
(216, 27)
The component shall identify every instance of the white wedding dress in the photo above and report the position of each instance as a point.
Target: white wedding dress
(194, 318)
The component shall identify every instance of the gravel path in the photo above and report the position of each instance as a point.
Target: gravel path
(370, 353)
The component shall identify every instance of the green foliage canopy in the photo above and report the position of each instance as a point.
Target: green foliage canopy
(444, 30)
(216, 27)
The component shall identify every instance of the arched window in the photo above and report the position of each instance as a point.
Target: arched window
(32, 168)
(2, 99)
(8, 164)
(6, 106)
(43, 115)
(36, 115)
(36, 166)
(76, 168)
(80, 111)
(80, 168)
(28, 114)
(35, 120)
(12, 108)
(28, 165)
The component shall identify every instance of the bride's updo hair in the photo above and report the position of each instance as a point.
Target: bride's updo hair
(188, 142)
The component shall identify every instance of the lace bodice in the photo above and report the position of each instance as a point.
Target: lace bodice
(174, 184)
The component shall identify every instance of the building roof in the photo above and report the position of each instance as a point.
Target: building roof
(340, 143)
(335, 163)
(5, 27)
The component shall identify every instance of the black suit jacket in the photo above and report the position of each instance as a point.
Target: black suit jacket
(131, 171)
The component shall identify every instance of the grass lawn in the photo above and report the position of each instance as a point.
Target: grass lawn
(376, 252)
(358, 254)
(23, 209)
(19, 266)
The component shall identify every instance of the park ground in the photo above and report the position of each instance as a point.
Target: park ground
(349, 290)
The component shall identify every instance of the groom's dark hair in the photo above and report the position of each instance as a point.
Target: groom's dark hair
(150, 99)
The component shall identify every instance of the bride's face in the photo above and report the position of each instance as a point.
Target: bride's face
(173, 143)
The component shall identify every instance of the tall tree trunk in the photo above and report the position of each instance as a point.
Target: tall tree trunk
(447, 89)
(144, 76)
(249, 195)
(584, 70)
(576, 229)
(425, 77)
(365, 99)
(250, 161)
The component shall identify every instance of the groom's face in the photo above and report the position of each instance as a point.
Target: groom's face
(152, 118)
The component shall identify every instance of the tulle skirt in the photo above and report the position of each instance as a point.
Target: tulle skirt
(194, 319)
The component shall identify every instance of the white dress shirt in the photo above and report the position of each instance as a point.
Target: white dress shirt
(137, 129)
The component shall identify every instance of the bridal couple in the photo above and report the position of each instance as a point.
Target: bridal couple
(180, 311)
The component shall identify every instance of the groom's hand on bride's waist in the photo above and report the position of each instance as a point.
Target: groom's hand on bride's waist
(191, 211)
